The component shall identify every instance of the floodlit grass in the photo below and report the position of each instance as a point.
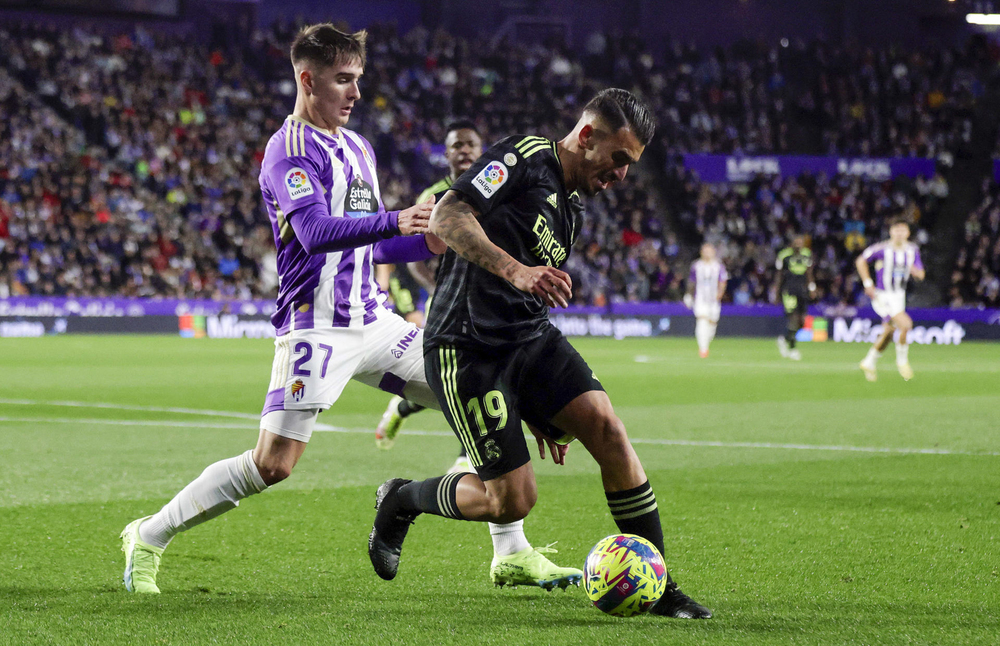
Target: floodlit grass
(801, 503)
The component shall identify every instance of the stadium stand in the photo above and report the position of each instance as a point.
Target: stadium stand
(128, 161)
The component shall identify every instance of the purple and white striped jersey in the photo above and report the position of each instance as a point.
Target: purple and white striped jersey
(304, 165)
(892, 266)
(706, 277)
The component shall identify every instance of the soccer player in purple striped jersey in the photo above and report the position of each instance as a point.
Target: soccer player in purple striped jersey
(896, 260)
(705, 289)
(321, 190)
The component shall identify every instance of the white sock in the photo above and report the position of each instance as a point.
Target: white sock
(219, 488)
(712, 327)
(508, 538)
(702, 334)
(872, 356)
(902, 354)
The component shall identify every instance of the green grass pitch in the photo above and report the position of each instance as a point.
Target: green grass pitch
(801, 503)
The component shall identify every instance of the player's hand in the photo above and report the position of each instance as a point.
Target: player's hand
(557, 450)
(553, 286)
(416, 219)
(870, 292)
(688, 301)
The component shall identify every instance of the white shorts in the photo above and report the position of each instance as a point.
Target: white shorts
(889, 304)
(708, 311)
(312, 367)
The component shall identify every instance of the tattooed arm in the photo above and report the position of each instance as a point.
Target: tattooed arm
(456, 222)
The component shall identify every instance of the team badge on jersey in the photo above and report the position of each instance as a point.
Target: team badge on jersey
(298, 184)
(491, 178)
(360, 200)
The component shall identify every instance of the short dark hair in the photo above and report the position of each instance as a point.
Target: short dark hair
(326, 45)
(461, 124)
(619, 109)
(898, 219)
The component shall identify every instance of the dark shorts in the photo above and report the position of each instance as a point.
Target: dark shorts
(485, 392)
(795, 303)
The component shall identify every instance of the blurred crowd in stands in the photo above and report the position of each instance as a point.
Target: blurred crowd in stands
(129, 162)
(975, 279)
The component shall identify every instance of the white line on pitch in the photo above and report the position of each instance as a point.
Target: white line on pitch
(364, 431)
(807, 447)
(149, 409)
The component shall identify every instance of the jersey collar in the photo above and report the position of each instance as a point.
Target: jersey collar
(336, 136)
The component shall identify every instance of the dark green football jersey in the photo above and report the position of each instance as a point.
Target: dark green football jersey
(437, 189)
(518, 188)
(794, 267)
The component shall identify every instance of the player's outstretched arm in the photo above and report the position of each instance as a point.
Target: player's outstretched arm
(456, 222)
(317, 232)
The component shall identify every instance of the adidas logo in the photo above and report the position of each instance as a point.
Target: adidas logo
(553, 200)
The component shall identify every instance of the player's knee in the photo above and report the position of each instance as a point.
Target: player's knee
(272, 471)
(610, 433)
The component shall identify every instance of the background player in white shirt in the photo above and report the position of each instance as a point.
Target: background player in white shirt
(320, 187)
(705, 289)
(896, 260)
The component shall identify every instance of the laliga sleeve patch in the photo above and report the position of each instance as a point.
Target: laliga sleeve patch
(298, 183)
(491, 178)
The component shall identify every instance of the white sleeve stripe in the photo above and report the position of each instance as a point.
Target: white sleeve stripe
(288, 139)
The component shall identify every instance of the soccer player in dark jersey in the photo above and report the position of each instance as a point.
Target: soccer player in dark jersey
(795, 287)
(515, 562)
(492, 355)
(463, 145)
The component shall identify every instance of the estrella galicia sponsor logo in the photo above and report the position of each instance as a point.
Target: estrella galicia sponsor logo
(298, 183)
(398, 349)
(360, 200)
(491, 178)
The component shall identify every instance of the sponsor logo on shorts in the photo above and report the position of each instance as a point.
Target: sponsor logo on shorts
(298, 390)
(398, 350)
(298, 184)
(491, 178)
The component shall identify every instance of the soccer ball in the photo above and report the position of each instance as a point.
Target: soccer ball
(624, 575)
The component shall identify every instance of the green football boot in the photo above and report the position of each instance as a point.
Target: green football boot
(530, 567)
(142, 560)
(388, 427)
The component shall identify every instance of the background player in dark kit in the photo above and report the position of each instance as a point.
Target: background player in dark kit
(795, 287)
(463, 146)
